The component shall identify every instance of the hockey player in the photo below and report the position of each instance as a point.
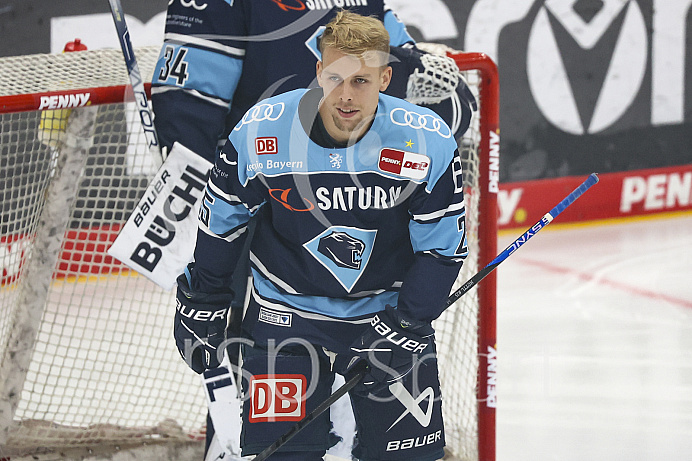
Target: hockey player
(360, 239)
(219, 58)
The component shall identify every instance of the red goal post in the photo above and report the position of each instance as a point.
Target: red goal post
(481, 74)
(73, 164)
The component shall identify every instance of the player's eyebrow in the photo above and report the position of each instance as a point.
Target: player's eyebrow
(366, 75)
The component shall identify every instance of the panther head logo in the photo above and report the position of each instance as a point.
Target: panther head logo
(344, 250)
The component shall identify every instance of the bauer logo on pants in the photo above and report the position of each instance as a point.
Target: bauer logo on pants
(277, 398)
(412, 404)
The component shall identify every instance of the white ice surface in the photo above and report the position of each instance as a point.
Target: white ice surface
(595, 343)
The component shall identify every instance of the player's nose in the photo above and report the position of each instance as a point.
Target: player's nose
(345, 92)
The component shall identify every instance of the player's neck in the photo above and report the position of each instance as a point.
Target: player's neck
(320, 135)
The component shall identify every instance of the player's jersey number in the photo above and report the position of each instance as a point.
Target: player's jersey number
(174, 65)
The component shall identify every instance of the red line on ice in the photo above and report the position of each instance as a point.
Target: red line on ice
(611, 283)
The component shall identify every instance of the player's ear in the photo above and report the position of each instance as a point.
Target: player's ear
(318, 72)
(385, 77)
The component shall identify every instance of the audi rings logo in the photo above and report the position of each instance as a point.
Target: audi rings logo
(403, 117)
(190, 3)
(260, 113)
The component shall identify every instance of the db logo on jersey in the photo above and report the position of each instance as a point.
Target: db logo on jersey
(407, 164)
(277, 398)
(266, 146)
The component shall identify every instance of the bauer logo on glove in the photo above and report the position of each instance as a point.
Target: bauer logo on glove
(397, 337)
(199, 315)
(392, 347)
(200, 325)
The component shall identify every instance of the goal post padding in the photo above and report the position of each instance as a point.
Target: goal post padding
(48, 238)
(87, 353)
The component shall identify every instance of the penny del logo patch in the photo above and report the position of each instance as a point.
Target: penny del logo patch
(402, 163)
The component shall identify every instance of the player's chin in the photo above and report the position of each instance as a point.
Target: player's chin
(350, 128)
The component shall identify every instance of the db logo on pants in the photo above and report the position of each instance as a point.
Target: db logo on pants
(277, 398)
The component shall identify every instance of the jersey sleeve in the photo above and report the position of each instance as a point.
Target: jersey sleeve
(197, 73)
(226, 208)
(438, 237)
(398, 35)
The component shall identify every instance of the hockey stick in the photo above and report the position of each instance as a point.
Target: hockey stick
(321, 408)
(472, 282)
(514, 246)
(145, 114)
(183, 170)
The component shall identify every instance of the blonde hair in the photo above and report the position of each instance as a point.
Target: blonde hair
(356, 35)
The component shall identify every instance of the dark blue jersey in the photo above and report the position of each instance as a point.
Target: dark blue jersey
(341, 231)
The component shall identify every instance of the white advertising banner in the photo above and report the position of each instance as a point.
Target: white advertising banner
(158, 240)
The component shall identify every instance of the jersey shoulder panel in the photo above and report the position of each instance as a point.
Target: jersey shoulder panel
(269, 115)
(406, 116)
(419, 131)
(268, 130)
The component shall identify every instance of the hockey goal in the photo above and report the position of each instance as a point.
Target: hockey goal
(88, 360)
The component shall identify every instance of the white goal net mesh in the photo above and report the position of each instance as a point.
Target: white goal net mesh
(102, 367)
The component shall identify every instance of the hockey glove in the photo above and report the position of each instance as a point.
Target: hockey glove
(200, 325)
(391, 346)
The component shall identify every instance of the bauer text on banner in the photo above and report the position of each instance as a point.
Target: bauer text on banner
(159, 237)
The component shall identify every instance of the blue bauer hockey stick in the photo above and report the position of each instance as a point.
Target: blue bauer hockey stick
(472, 282)
(515, 245)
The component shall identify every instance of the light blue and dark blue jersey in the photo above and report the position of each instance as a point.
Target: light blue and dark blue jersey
(220, 57)
(341, 230)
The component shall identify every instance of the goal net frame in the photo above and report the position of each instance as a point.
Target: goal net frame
(63, 122)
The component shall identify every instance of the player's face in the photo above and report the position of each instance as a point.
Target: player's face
(351, 92)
